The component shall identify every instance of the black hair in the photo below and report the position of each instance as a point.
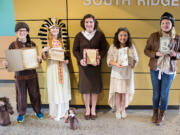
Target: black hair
(116, 40)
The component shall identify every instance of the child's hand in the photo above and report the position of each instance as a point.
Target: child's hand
(39, 59)
(5, 63)
(45, 49)
(159, 54)
(118, 65)
(173, 54)
(44, 52)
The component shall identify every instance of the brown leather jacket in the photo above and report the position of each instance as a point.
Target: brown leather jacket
(152, 46)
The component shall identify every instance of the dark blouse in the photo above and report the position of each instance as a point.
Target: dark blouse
(97, 42)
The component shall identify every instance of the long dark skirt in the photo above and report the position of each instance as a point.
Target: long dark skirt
(90, 80)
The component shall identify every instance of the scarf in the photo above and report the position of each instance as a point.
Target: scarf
(55, 44)
(163, 64)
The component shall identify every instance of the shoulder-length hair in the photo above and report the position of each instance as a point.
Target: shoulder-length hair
(50, 35)
(172, 33)
(116, 40)
(89, 16)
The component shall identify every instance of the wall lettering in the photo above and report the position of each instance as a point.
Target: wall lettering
(165, 3)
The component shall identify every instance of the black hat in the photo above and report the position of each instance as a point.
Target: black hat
(168, 16)
(20, 25)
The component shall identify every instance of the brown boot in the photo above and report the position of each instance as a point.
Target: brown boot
(155, 115)
(161, 117)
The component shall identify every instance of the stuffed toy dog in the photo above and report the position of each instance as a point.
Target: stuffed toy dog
(71, 116)
(5, 110)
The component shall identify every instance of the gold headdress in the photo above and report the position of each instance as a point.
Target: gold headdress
(49, 23)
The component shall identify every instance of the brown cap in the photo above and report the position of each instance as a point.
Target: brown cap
(20, 25)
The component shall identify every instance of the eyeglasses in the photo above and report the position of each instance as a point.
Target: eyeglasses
(22, 30)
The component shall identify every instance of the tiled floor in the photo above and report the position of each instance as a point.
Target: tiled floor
(137, 123)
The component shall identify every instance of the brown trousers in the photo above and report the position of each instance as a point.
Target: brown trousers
(21, 95)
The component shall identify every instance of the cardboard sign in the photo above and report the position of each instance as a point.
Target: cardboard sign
(56, 54)
(21, 59)
(91, 56)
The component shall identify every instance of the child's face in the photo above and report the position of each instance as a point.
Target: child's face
(166, 25)
(54, 31)
(22, 33)
(123, 37)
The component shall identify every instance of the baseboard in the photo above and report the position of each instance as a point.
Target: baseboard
(7, 81)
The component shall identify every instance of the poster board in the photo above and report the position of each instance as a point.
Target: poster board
(22, 59)
(56, 54)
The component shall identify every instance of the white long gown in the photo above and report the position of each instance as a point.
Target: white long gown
(122, 84)
(59, 94)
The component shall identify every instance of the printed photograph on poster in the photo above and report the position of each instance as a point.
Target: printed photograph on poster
(123, 56)
(164, 45)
